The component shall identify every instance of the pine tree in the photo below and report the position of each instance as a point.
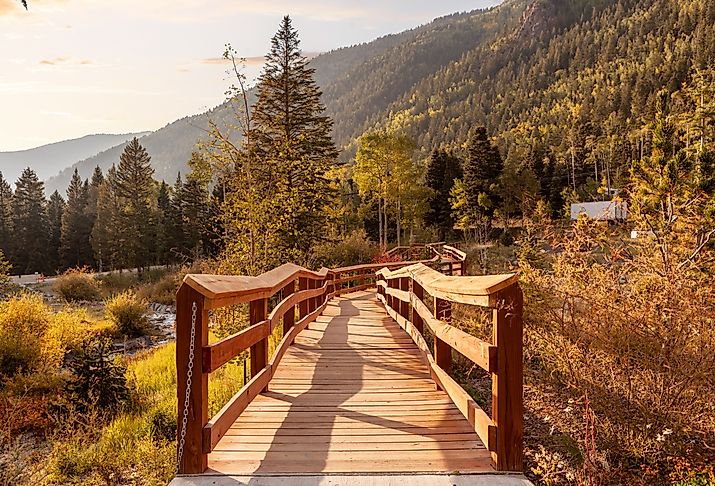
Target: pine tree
(292, 139)
(134, 189)
(76, 249)
(105, 233)
(30, 224)
(175, 222)
(163, 207)
(481, 176)
(442, 170)
(195, 216)
(55, 210)
(6, 230)
(95, 185)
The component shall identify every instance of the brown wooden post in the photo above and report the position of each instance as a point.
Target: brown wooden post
(416, 319)
(312, 284)
(303, 305)
(257, 311)
(289, 316)
(507, 382)
(404, 283)
(194, 460)
(442, 350)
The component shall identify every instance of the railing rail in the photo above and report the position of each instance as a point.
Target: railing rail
(403, 292)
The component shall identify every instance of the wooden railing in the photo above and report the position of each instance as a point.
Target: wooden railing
(292, 286)
(289, 287)
(404, 291)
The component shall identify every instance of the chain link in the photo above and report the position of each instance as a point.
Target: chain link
(189, 374)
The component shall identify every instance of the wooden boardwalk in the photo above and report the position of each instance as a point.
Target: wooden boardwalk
(353, 394)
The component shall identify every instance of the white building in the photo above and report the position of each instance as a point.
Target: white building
(601, 210)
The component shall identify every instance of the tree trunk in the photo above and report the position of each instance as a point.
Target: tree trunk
(398, 221)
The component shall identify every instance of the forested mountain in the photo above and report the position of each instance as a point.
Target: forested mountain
(46, 159)
(524, 69)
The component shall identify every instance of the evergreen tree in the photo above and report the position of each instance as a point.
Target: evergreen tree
(6, 231)
(291, 137)
(163, 207)
(105, 233)
(30, 228)
(481, 176)
(55, 210)
(95, 184)
(76, 249)
(175, 222)
(134, 189)
(195, 216)
(442, 170)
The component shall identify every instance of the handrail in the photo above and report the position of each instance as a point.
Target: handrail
(299, 287)
(402, 291)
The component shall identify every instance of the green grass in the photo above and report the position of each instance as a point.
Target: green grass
(138, 445)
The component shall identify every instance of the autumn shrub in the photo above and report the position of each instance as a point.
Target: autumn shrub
(354, 249)
(77, 285)
(606, 323)
(23, 322)
(128, 313)
(117, 282)
(162, 290)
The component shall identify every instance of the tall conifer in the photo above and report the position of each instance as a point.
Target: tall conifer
(30, 227)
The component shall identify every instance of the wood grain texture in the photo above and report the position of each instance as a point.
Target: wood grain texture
(352, 394)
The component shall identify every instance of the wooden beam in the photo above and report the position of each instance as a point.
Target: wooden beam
(303, 305)
(419, 294)
(194, 459)
(442, 350)
(259, 352)
(507, 382)
(221, 352)
(289, 316)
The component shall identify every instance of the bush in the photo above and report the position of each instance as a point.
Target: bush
(70, 330)
(354, 249)
(128, 314)
(162, 291)
(97, 377)
(23, 322)
(506, 238)
(77, 285)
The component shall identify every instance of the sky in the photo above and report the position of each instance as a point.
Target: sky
(69, 68)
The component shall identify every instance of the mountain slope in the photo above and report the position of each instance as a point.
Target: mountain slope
(548, 75)
(46, 159)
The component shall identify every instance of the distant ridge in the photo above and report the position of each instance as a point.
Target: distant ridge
(47, 159)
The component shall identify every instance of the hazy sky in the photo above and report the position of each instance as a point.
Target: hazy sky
(73, 67)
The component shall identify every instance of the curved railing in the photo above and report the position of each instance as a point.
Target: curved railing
(403, 292)
(286, 287)
(289, 287)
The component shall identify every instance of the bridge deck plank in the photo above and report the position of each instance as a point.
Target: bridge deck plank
(352, 395)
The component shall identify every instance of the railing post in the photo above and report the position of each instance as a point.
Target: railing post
(404, 284)
(442, 350)
(303, 305)
(419, 294)
(312, 284)
(507, 382)
(193, 460)
(258, 309)
(289, 316)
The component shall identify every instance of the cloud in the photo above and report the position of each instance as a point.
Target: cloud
(65, 61)
(248, 61)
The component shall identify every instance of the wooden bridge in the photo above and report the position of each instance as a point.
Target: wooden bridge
(351, 386)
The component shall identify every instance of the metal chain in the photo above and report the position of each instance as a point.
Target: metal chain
(189, 374)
